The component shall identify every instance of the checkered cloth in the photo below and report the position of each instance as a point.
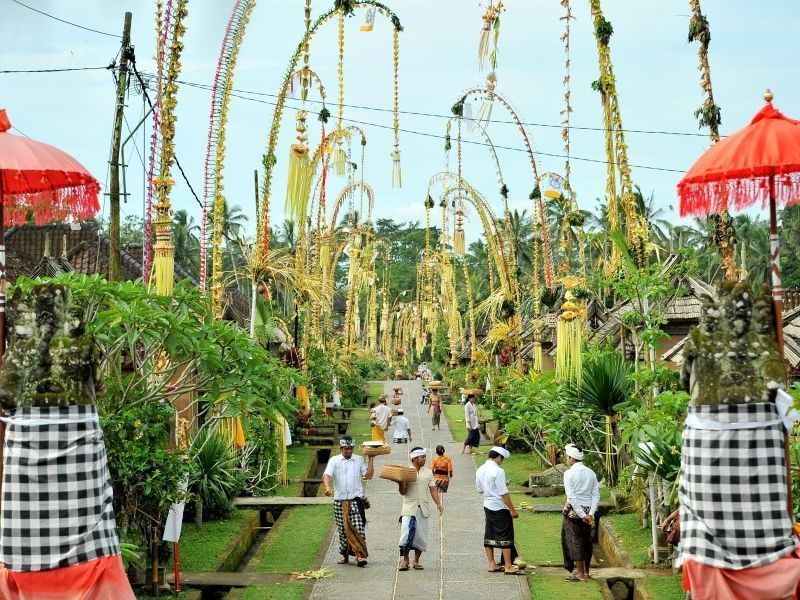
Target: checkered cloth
(733, 487)
(57, 498)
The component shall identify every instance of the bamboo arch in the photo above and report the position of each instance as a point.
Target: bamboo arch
(491, 95)
(269, 160)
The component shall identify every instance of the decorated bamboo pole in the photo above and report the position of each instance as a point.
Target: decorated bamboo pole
(636, 228)
(164, 262)
(709, 115)
(215, 152)
(346, 7)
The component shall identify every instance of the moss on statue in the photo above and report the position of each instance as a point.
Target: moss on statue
(732, 356)
(50, 359)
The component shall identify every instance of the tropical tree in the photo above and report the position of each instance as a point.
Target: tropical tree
(186, 242)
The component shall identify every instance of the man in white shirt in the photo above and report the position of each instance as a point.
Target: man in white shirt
(490, 479)
(383, 416)
(416, 509)
(583, 498)
(345, 471)
(471, 420)
(402, 428)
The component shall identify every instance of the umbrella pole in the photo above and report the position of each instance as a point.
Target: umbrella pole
(777, 299)
(2, 323)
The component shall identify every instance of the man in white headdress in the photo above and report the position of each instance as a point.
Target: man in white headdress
(345, 471)
(416, 509)
(490, 479)
(583, 498)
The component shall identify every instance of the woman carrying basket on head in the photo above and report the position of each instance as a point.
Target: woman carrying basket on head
(435, 407)
(442, 468)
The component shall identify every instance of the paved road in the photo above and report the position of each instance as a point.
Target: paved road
(455, 563)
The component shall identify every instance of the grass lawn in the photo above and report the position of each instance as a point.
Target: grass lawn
(605, 496)
(374, 389)
(295, 543)
(665, 588)
(454, 413)
(202, 547)
(276, 591)
(359, 427)
(519, 466)
(538, 535)
(635, 539)
(299, 459)
(549, 587)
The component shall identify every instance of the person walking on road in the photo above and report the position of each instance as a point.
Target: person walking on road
(345, 471)
(402, 428)
(490, 479)
(442, 468)
(583, 498)
(435, 408)
(416, 510)
(471, 420)
(383, 416)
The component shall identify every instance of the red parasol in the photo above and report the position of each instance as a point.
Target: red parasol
(758, 162)
(39, 181)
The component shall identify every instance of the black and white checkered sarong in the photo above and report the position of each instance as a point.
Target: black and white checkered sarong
(733, 487)
(57, 498)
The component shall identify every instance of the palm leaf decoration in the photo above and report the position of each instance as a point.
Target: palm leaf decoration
(606, 383)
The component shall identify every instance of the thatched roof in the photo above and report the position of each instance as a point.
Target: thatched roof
(681, 309)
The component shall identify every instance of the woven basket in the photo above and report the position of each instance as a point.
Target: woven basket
(395, 412)
(472, 391)
(398, 473)
(398, 391)
(375, 450)
(396, 401)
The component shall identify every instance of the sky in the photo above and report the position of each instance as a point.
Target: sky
(754, 46)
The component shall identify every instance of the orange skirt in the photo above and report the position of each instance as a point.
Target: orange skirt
(775, 581)
(99, 579)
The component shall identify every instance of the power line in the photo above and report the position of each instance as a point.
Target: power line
(108, 67)
(41, 12)
(441, 116)
(442, 137)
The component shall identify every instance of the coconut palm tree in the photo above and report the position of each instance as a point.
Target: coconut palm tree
(186, 242)
(520, 225)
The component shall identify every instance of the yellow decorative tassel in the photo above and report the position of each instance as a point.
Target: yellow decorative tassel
(339, 160)
(459, 242)
(483, 46)
(302, 397)
(164, 256)
(298, 184)
(569, 357)
(397, 176)
(325, 253)
(538, 357)
(239, 440)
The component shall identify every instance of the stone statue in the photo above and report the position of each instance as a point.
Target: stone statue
(732, 356)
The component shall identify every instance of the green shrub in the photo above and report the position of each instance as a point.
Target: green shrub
(216, 479)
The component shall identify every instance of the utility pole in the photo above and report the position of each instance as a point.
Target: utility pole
(122, 80)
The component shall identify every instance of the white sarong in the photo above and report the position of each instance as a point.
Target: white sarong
(414, 534)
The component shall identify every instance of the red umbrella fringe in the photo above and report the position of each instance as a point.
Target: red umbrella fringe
(77, 203)
(703, 198)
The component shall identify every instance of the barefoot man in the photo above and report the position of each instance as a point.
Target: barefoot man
(345, 471)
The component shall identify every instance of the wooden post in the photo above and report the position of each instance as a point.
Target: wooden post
(777, 299)
(116, 142)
